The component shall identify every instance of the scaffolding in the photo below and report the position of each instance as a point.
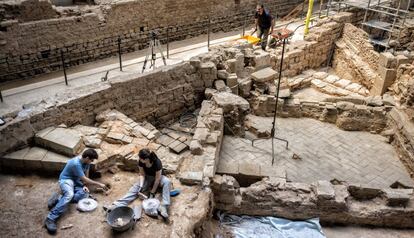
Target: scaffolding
(389, 19)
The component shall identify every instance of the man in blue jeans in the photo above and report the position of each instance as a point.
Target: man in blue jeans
(264, 25)
(71, 182)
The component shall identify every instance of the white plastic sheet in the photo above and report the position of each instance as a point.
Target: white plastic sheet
(151, 206)
(272, 227)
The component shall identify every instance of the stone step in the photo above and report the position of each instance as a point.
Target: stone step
(336, 89)
(33, 159)
(60, 140)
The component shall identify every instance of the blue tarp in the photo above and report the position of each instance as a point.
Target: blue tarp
(266, 227)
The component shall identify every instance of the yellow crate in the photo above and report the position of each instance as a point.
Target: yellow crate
(251, 39)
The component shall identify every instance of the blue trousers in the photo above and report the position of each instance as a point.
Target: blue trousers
(70, 193)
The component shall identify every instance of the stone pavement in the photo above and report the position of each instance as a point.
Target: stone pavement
(325, 153)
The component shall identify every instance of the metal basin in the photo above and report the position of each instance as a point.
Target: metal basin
(121, 218)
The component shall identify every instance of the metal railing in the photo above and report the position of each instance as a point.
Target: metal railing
(69, 55)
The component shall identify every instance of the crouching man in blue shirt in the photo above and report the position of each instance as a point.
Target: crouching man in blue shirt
(71, 182)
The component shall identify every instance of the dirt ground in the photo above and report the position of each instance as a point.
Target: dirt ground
(23, 208)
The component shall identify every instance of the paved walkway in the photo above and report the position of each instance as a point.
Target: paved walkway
(325, 152)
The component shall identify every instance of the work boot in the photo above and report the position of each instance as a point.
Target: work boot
(53, 200)
(50, 226)
(163, 211)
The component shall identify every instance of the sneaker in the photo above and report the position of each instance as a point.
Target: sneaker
(163, 211)
(52, 201)
(50, 226)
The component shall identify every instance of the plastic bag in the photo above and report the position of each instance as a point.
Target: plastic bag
(151, 206)
(87, 205)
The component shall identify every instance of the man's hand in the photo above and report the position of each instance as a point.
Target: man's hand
(152, 195)
(85, 189)
(103, 186)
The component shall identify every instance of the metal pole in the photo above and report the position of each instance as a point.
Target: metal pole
(244, 26)
(208, 33)
(272, 132)
(64, 67)
(308, 17)
(1, 97)
(119, 53)
(168, 42)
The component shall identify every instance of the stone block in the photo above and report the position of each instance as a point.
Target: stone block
(33, 158)
(343, 83)
(398, 197)
(201, 135)
(173, 135)
(222, 74)
(324, 190)
(177, 146)
(388, 76)
(375, 101)
(15, 160)
(196, 148)
(249, 169)
(284, 93)
(264, 75)
(209, 92)
(208, 171)
(212, 139)
(261, 59)
(245, 86)
(227, 167)
(54, 162)
(114, 137)
(144, 131)
(191, 178)
(154, 134)
(229, 102)
(220, 85)
(401, 59)
(165, 140)
(61, 140)
(232, 65)
(387, 60)
(231, 81)
(331, 79)
(92, 141)
(363, 193)
(320, 75)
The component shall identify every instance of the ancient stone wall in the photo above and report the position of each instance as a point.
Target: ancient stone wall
(403, 88)
(355, 58)
(343, 204)
(159, 96)
(33, 47)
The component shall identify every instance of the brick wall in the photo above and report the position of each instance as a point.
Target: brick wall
(33, 47)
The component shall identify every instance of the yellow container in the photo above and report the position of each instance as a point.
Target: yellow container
(251, 39)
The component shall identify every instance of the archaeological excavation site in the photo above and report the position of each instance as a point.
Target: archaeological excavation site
(207, 118)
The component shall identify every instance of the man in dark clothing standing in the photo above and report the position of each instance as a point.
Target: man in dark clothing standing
(264, 25)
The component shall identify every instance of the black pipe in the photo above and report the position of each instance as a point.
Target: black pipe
(64, 67)
(208, 34)
(1, 97)
(119, 53)
(168, 42)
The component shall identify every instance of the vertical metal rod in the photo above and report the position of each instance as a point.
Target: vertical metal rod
(168, 42)
(328, 8)
(119, 53)
(64, 67)
(272, 132)
(308, 16)
(208, 33)
(1, 97)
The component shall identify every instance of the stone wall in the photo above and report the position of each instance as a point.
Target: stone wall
(355, 58)
(343, 204)
(159, 97)
(33, 47)
(403, 88)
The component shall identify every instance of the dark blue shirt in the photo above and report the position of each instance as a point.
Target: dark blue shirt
(264, 20)
(74, 170)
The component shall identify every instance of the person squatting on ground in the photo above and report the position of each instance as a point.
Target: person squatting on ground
(71, 183)
(264, 25)
(150, 178)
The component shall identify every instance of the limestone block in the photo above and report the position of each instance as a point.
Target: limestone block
(114, 137)
(61, 140)
(165, 140)
(331, 79)
(284, 93)
(261, 59)
(245, 86)
(144, 131)
(227, 167)
(54, 162)
(388, 76)
(229, 101)
(343, 83)
(201, 135)
(387, 60)
(231, 63)
(250, 169)
(354, 87)
(316, 83)
(320, 75)
(196, 148)
(177, 146)
(220, 85)
(231, 81)
(92, 141)
(154, 134)
(15, 160)
(363, 193)
(401, 59)
(264, 75)
(191, 178)
(398, 197)
(375, 101)
(324, 190)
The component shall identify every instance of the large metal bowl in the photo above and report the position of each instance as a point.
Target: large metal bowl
(124, 214)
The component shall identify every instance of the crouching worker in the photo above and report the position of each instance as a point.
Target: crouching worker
(71, 182)
(150, 178)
